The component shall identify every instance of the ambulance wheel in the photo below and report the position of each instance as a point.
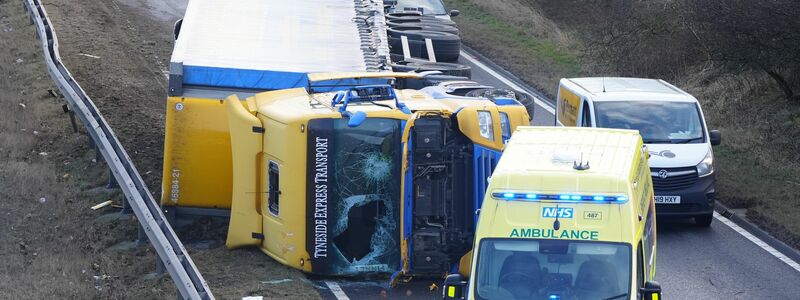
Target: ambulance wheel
(704, 221)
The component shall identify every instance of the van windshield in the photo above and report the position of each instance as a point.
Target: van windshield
(542, 269)
(659, 122)
(429, 7)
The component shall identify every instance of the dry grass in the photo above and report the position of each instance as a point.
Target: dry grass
(49, 239)
(518, 38)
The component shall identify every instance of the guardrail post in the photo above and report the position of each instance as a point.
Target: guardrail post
(71, 114)
(112, 182)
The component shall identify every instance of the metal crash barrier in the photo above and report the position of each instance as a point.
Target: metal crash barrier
(190, 284)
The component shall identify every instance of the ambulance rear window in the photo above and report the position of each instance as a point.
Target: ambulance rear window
(543, 268)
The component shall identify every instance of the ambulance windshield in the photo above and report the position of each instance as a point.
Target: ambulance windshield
(552, 269)
(659, 122)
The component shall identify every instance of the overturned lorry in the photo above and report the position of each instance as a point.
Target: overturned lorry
(344, 172)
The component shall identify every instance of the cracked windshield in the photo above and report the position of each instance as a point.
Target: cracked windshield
(363, 194)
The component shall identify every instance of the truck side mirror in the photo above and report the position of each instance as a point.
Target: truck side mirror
(716, 137)
(651, 291)
(454, 287)
(455, 13)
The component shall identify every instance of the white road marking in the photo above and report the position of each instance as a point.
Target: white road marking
(508, 82)
(336, 290)
(793, 264)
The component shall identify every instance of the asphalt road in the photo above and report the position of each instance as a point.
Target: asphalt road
(692, 263)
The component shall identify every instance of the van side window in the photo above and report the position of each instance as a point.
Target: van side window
(274, 188)
(586, 118)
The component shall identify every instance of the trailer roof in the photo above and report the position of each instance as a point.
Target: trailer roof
(273, 44)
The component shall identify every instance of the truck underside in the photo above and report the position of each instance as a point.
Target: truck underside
(443, 215)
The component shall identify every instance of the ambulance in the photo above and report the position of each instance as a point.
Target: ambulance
(672, 125)
(568, 214)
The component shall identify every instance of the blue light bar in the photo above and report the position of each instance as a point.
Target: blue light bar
(558, 197)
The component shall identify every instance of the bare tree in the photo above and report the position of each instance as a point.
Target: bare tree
(752, 34)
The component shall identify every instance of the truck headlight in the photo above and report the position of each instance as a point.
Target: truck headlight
(706, 166)
(505, 126)
(485, 124)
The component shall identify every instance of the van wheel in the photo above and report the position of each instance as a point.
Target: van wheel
(704, 221)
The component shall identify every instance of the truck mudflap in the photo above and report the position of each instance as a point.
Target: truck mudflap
(245, 227)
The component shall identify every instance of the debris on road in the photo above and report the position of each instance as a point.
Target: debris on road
(89, 55)
(42, 200)
(277, 281)
(101, 205)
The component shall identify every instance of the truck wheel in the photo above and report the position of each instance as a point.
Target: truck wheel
(704, 221)
(400, 30)
(416, 19)
(447, 46)
(404, 14)
(523, 98)
(446, 68)
(392, 24)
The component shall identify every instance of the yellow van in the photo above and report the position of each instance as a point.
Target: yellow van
(568, 214)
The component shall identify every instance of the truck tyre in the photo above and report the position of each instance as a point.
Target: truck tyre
(404, 29)
(392, 24)
(451, 69)
(447, 46)
(705, 220)
(445, 52)
(415, 19)
(400, 66)
(404, 14)
(524, 98)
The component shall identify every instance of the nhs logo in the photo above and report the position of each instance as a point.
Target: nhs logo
(560, 212)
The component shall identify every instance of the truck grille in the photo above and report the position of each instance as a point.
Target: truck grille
(677, 178)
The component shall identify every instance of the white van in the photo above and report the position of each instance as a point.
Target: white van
(672, 125)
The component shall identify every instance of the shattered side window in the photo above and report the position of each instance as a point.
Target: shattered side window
(355, 201)
(274, 188)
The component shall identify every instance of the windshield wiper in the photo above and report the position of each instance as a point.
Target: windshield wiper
(686, 141)
(616, 297)
(656, 141)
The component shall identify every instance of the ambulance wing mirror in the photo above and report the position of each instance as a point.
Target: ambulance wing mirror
(716, 137)
(651, 291)
(454, 287)
(455, 13)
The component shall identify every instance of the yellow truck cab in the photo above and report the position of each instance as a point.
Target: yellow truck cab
(368, 179)
(568, 214)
